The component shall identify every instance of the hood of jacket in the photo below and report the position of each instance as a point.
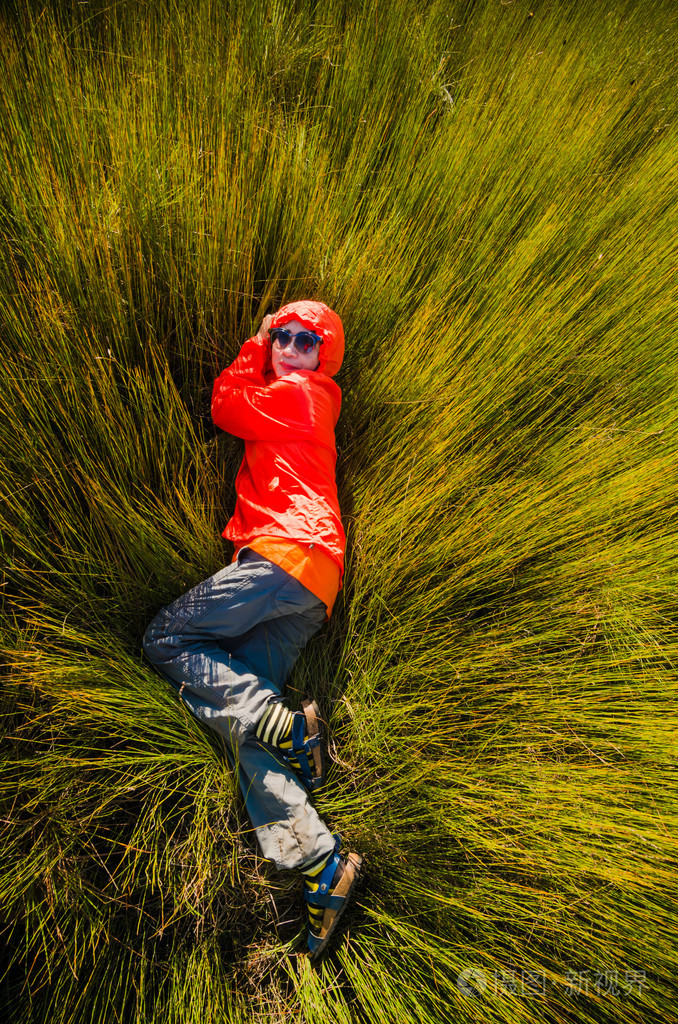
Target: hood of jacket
(323, 321)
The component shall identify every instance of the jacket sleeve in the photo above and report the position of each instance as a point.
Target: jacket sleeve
(249, 364)
(244, 405)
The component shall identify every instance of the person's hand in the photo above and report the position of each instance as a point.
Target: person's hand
(262, 333)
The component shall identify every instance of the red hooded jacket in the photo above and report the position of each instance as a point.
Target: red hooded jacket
(286, 485)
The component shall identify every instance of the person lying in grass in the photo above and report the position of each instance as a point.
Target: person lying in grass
(229, 644)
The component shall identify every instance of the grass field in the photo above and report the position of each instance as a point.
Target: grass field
(487, 194)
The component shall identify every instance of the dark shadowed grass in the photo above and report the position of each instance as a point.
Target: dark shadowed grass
(487, 195)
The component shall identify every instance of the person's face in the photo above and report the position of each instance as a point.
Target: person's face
(288, 359)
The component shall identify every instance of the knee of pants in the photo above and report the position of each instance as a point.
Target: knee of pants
(153, 638)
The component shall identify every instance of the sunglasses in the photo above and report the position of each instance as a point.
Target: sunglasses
(304, 341)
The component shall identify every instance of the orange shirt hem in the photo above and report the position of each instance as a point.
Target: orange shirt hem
(308, 563)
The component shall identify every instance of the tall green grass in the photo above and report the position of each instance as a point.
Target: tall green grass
(486, 192)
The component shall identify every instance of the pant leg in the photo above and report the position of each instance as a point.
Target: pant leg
(209, 644)
(288, 828)
(228, 645)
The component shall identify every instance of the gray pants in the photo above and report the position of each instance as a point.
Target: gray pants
(228, 645)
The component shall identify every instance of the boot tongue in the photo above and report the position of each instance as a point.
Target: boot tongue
(338, 873)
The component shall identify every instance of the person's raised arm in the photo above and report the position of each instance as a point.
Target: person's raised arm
(249, 365)
(244, 405)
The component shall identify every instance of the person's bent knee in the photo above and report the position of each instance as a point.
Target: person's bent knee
(153, 639)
